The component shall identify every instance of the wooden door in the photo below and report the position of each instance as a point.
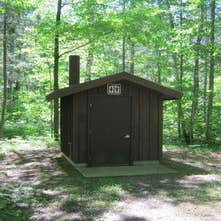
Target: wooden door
(109, 130)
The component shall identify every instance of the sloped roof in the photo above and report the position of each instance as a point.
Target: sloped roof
(168, 93)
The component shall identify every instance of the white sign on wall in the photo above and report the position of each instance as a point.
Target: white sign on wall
(114, 89)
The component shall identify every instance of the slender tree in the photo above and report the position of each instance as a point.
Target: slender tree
(91, 11)
(123, 41)
(211, 72)
(90, 58)
(158, 67)
(132, 54)
(175, 68)
(5, 77)
(205, 84)
(194, 107)
(56, 69)
(180, 73)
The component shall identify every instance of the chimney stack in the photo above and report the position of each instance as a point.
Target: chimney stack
(74, 70)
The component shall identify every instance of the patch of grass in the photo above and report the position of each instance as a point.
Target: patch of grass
(201, 194)
(7, 146)
(2, 155)
(43, 142)
(10, 145)
(51, 143)
(194, 148)
(16, 203)
(114, 189)
(13, 208)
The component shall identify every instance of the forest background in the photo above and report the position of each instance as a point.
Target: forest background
(175, 43)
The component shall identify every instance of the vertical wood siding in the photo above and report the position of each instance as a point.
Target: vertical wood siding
(146, 122)
(66, 122)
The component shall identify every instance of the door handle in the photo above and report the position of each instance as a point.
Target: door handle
(127, 136)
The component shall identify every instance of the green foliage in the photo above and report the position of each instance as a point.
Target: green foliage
(194, 148)
(28, 115)
(97, 28)
(2, 156)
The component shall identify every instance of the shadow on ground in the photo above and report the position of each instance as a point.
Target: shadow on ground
(38, 184)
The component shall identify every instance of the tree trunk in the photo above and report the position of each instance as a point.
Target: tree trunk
(205, 82)
(158, 54)
(90, 59)
(56, 70)
(194, 107)
(211, 74)
(158, 67)
(182, 126)
(5, 77)
(123, 53)
(124, 43)
(12, 57)
(132, 54)
(51, 102)
(175, 67)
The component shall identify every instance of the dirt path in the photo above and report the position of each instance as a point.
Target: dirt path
(38, 184)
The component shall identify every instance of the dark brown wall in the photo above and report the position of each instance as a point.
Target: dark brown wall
(146, 122)
(66, 120)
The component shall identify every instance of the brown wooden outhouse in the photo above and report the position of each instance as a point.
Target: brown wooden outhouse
(116, 119)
